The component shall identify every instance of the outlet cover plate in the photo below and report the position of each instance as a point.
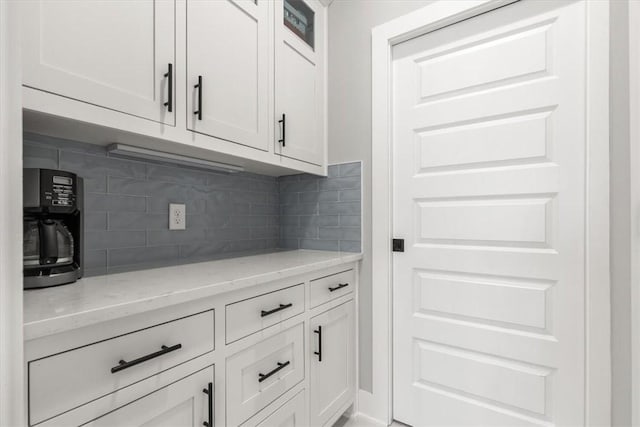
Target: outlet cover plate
(177, 216)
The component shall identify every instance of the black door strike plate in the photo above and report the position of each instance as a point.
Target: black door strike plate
(398, 245)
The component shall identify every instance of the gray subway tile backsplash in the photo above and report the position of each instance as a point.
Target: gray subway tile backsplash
(322, 213)
(126, 207)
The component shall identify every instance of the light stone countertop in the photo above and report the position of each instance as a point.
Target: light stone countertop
(96, 299)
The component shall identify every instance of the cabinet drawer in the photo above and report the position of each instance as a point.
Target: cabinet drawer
(291, 414)
(260, 374)
(251, 315)
(66, 380)
(331, 287)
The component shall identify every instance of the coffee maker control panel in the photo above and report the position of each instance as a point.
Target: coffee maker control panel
(61, 193)
(50, 190)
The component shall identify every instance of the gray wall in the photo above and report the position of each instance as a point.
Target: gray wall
(349, 88)
(126, 205)
(322, 213)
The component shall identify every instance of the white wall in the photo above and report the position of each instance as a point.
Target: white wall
(11, 356)
(349, 87)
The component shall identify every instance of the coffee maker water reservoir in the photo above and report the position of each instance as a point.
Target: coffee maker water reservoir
(53, 228)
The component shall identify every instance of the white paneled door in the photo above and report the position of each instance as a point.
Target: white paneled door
(489, 195)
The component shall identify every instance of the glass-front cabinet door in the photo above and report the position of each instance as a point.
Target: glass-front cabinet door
(299, 18)
(299, 83)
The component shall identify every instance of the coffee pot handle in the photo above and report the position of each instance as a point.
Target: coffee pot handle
(48, 230)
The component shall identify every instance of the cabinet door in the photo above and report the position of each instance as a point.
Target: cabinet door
(228, 47)
(299, 90)
(181, 404)
(332, 362)
(112, 54)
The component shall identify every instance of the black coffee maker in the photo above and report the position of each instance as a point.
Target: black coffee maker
(53, 228)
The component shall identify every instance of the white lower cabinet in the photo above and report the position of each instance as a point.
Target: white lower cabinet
(181, 404)
(332, 353)
(263, 356)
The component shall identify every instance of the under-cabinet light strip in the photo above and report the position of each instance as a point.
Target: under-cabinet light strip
(144, 153)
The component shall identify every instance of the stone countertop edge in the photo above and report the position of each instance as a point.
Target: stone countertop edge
(102, 298)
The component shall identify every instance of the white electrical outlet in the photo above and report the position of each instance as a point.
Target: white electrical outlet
(177, 216)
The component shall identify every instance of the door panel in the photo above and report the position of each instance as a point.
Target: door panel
(109, 53)
(299, 90)
(235, 70)
(489, 165)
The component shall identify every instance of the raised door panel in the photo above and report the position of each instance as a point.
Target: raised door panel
(228, 47)
(181, 404)
(299, 90)
(332, 353)
(112, 54)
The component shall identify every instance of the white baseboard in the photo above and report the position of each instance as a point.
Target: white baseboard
(368, 409)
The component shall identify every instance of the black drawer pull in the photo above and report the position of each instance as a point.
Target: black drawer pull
(262, 377)
(275, 310)
(198, 112)
(319, 352)
(124, 365)
(209, 392)
(169, 76)
(340, 286)
(284, 130)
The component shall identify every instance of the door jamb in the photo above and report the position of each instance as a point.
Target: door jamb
(379, 404)
(634, 169)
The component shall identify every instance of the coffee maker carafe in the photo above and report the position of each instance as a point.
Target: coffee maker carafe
(53, 228)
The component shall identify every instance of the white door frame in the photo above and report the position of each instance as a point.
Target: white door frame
(634, 175)
(12, 408)
(378, 405)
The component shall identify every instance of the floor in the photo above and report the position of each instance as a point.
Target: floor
(359, 421)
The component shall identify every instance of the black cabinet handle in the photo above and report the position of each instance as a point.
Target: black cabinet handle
(124, 365)
(262, 377)
(340, 286)
(169, 75)
(209, 392)
(275, 310)
(198, 112)
(284, 125)
(319, 352)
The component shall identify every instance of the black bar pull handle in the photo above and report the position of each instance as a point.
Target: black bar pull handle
(209, 392)
(319, 352)
(169, 76)
(275, 310)
(340, 286)
(284, 126)
(198, 112)
(124, 365)
(262, 377)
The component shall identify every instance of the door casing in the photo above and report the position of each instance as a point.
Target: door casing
(378, 405)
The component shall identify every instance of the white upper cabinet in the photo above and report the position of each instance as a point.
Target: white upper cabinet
(113, 54)
(228, 70)
(237, 81)
(299, 80)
